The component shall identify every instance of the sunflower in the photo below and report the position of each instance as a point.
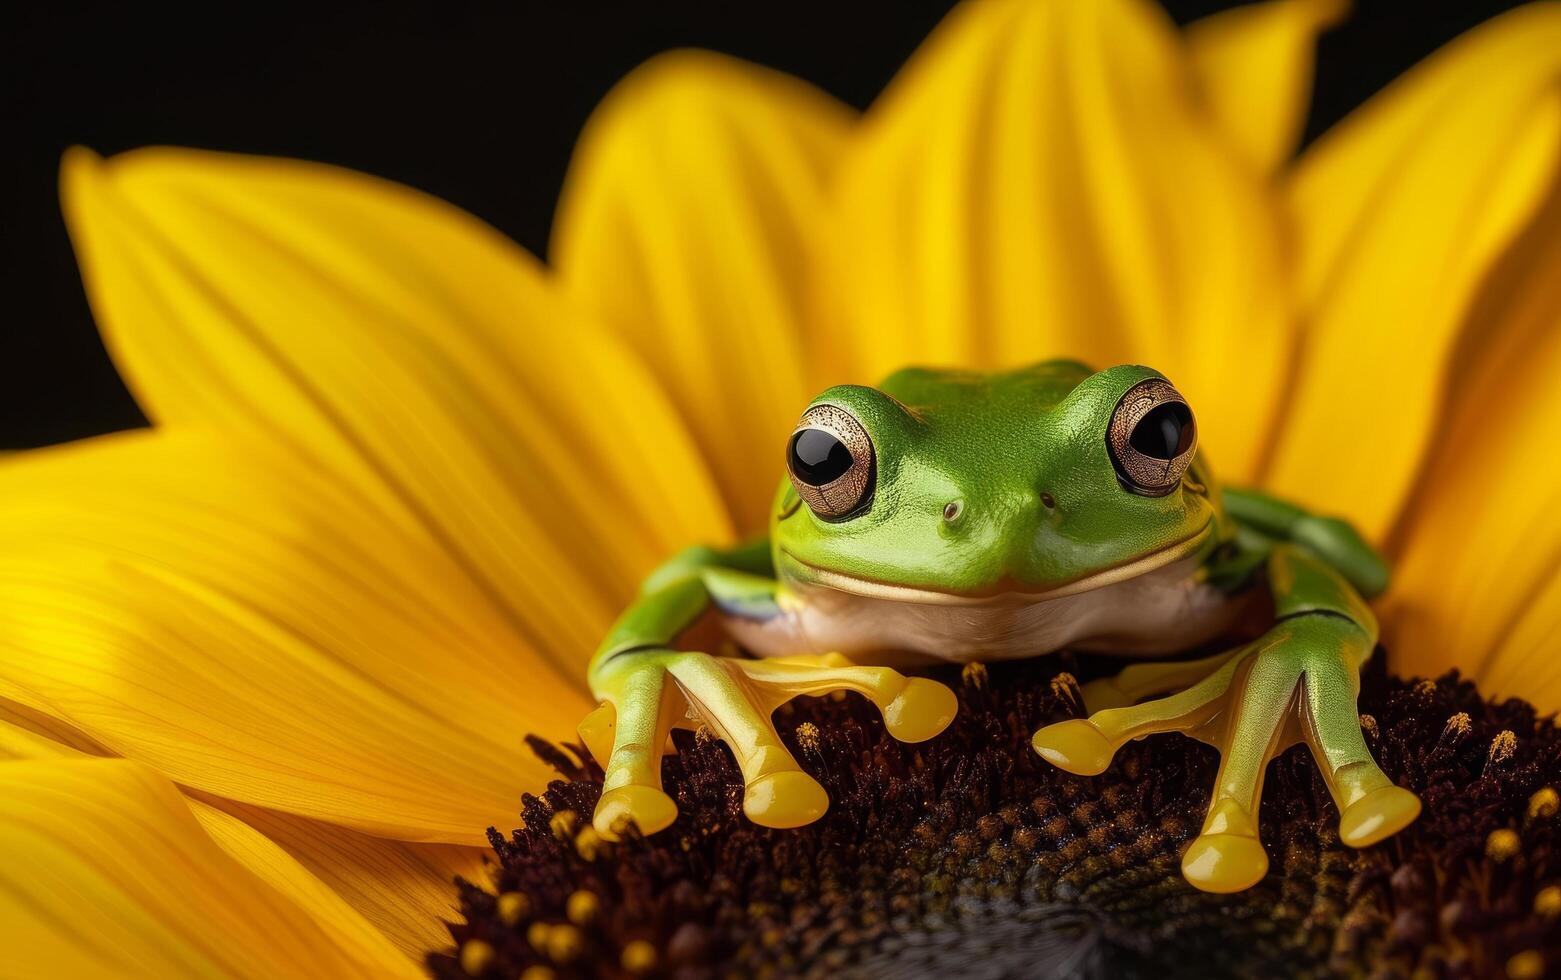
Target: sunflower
(265, 665)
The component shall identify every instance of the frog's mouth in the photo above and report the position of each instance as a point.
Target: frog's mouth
(1004, 590)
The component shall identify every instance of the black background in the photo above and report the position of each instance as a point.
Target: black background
(476, 104)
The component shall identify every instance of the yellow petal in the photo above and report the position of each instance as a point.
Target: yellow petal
(686, 224)
(405, 891)
(1476, 584)
(1041, 181)
(380, 888)
(105, 872)
(1401, 213)
(255, 630)
(29, 734)
(400, 342)
(1253, 64)
(1523, 663)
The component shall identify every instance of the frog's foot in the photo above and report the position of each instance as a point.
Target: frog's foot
(1297, 683)
(651, 692)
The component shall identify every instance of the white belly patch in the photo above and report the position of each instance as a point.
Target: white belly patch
(1163, 611)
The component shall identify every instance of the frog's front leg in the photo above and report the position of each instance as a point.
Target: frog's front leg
(1298, 682)
(647, 687)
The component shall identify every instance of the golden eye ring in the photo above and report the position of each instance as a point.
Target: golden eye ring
(1152, 438)
(829, 458)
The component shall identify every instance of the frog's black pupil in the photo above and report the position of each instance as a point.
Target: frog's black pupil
(818, 458)
(1165, 433)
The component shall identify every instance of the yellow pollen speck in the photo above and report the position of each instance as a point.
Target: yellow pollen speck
(808, 736)
(537, 936)
(537, 973)
(582, 907)
(513, 906)
(1548, 902)
(1457, 725)
(1368, 724)
(1527, 965)
(1544, 804)
(703, 735)
(1502, 746)
(974, 675)
(564, 943)
(476, 955)
(563, 824)
(1426, 686)
(638, 956)
(588, 844)
(1502, 844)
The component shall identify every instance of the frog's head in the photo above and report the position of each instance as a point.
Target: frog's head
(950, 486)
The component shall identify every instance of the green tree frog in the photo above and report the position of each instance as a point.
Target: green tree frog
(952, 516)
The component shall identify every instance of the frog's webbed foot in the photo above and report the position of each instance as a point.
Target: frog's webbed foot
(1297, 683)
(647, 693)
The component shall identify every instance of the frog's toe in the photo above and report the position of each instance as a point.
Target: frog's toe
(1144, 680)
(920, 711)
(1076, 746)
(1227, 856)
(784, 800)
(1378, 815)
(647, 807)
(914, 708)
(1104, 693)
(626, 734)
(1371, 807)
(1224, 863)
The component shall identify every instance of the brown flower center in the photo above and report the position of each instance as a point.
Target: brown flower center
(969, 855)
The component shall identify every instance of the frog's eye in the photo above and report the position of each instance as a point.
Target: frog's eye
(1152, 438)
(830, 459)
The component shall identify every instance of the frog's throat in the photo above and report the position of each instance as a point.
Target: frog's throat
(814, 575)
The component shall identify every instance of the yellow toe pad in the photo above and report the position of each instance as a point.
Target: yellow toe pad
(1224, 863)
(645, 806)
(920, 711)
(785, 800)
(1380, 813)
(1075, 746)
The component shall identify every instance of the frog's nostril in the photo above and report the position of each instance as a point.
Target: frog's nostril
(952, 510)
(1048, 501)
